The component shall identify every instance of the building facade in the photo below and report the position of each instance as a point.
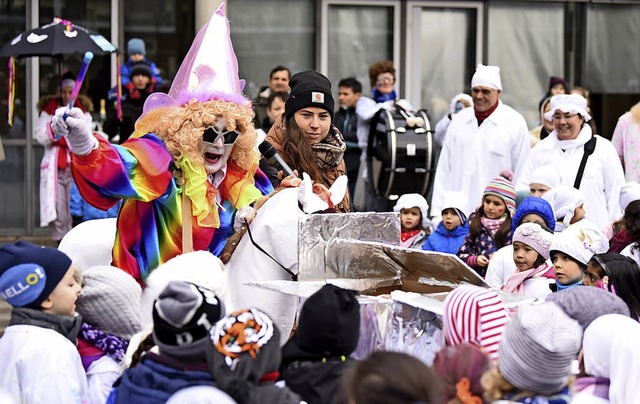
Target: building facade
(435, 46)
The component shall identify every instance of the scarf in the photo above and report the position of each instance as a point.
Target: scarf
(67, 326)
(493, 224)
(594, 386)
(482, 115)
(583, 137)
(561, 398)
(562, 287)
(619, 241)
(112, 345)
(379, 97)
(515, 283)
(329, 152)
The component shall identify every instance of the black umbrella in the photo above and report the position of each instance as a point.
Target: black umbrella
(61, 37)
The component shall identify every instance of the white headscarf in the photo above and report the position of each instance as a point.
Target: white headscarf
(571, 103)
(564, 201)
(629, 192)
(610, 348)
(461, 96)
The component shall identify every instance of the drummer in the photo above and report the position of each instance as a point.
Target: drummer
(304, 135)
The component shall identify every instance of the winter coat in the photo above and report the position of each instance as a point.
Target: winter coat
(602, 178)
(83, 210)
(49, 163)
(473, 155)
(626, 141)
(101, 375)
(416, 242)
(443, 240)
(483, 244)
(316, 382)
(154, 380)
(39, 365)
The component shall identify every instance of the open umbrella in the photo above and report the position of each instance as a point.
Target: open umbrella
(61, 37)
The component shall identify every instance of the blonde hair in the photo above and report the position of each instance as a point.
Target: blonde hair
(181, 128)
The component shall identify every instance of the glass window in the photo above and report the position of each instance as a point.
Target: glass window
(527, 41)
(443, 56)
(268, 33)
(611, 37)
(357, 37)
(12, 197)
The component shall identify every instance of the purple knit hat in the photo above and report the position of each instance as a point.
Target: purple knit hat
(503, 188)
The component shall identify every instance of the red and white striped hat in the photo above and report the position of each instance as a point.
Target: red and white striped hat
(475, 315)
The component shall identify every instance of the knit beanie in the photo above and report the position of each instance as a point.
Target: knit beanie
(564, 201)
(29, 273)
(141, 68)
(487, 76)
(629, 192)
(182, 317)
(408, 201)
(580, 241)
(545, 175)
(538, 348)
(475, 315)
(456, 200)
(503, 188)
(110, 301)
(309, 89)
(535, 205)
(585, 304)
(535, 237)
(329, 322)
(136, 45)
(553, 81)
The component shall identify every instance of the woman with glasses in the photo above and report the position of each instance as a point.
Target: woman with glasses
(583, 160)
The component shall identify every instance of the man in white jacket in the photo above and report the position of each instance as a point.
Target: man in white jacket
(481, 142)
(564, 149)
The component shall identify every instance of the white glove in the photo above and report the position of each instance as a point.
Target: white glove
(79, 137)
(389, 105)
(404, 104)
(243, 216)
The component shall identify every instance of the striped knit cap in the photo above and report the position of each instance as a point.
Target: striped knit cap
(503, 188)
(538, 348)
(475, 315)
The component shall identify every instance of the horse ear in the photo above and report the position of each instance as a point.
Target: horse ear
(310, 202)
(338, 189)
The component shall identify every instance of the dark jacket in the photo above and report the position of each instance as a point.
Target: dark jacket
(482, 244)
(346, 121)
(443, 240)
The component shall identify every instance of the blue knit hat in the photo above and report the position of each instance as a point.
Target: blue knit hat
(29, 273)
(535, 205)
(136, 45)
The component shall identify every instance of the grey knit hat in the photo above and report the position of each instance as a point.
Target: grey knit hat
(110, 301)
(585, 303)
(538, 347)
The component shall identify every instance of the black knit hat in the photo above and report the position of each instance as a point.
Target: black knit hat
(329, 322)
(309, 89)
(141, 68)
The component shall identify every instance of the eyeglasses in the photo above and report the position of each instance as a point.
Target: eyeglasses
(385, 79)
(211, 134)
(567, 116)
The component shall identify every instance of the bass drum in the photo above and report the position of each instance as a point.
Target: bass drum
(401, 156)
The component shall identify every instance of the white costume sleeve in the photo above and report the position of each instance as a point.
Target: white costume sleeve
(613, 179)
(520, 148)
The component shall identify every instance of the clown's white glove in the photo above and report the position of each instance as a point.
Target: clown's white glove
(79, 137)
(243, 216)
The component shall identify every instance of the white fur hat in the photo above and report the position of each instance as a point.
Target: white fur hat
(408, 201)
(629, 192)
(461, 96)
(571, 103)
(580, 241)
(545, 175)
(487, 76)
(535, 237)
(564, 201)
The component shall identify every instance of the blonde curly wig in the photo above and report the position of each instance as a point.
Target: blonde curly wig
(181, 128)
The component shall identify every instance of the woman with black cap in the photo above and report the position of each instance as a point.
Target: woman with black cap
(304, 135)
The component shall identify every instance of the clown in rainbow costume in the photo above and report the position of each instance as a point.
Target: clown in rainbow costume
(193, 150)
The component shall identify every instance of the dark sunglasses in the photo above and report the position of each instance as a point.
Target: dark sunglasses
(211, 134)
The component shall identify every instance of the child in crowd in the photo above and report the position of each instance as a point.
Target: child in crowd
(531, 244)
(110, 308)
(243, 355)
(630, 222)
(542, 180)
(391, 377)
(567, 204)
(182, 317)
(137, 52)
(536, 354)
(460, 368)
(413, 220)
(530, 210)
(317, 355)
(611, 357)
(475, 315)
(40, 362)
(275, 108)
(570, 252)
(490, 224)
(451, 231)
(617, 274)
